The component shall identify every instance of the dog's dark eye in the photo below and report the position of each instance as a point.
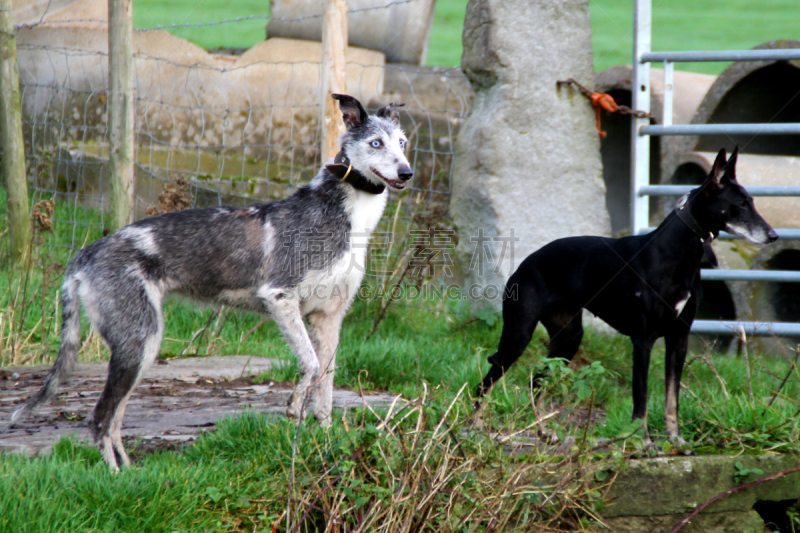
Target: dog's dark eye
(375, 144)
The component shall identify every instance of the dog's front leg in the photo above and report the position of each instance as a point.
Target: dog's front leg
(676, 346)
(641, 364)
(324, 327)
(284, 307)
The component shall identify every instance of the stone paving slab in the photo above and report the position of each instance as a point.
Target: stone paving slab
(176, 401)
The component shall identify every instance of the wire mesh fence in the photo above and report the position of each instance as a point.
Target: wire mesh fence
(225, 128)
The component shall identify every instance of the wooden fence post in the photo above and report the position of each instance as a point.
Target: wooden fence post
(334, 44)
(121, 103)
(11, 140)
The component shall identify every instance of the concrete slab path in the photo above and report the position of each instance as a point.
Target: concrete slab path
(176, 401)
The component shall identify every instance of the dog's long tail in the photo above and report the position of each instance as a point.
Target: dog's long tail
(70, 342)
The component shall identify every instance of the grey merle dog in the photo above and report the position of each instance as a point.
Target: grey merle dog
(644, 286)
(300, 260)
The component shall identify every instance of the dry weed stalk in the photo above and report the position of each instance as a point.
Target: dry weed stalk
(26, 295)
(420, 468)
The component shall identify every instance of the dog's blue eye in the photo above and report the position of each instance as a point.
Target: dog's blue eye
(376, 144)
(402, 143)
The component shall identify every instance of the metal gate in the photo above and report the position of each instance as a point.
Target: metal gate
(640, 160)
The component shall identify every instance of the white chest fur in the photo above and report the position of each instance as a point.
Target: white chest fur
(681, 304)
(322, 289)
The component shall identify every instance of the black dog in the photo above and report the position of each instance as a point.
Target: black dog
(645, 286)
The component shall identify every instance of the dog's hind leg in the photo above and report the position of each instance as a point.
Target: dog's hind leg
(133, 334)
(564, 325)
(284, 307)
(520, 316)
(123, 375)
(323, 328)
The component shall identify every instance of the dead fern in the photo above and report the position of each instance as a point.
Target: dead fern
(42, 216)
(175, 196)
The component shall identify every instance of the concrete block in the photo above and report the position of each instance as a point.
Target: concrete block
(654, 495)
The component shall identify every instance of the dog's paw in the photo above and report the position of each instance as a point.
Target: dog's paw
(677, 440)
(295, 409)
(679, 446)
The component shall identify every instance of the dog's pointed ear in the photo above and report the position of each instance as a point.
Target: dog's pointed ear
(730, 166)
(353, 112)
(388, 111)
(718, 169)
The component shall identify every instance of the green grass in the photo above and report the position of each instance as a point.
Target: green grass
(241, 478)
(680, 25)
(242, 34)
(418, 342)
(677, 25)
(448, 22)
(237, 478)
(72, 490)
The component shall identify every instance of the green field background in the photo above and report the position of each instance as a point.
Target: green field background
(677, 25)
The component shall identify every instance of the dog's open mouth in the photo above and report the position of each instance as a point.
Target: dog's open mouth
(394, 184)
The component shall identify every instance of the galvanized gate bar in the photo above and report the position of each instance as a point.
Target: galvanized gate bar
(754, 190)
(751, 329)
(640, 101)
(785, 128)
(779, 276)
(641, 130)
(724, 55)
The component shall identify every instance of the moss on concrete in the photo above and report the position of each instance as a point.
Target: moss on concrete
(655, 494)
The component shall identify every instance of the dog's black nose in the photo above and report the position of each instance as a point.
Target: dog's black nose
(405, 173)
(772, 236)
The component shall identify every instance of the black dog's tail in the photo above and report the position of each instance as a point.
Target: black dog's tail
(65, 362)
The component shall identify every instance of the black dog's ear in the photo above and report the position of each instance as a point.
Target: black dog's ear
(730, 166)
(718, 169)
(388, 111)
(353, 112)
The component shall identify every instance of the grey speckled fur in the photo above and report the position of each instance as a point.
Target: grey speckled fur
(299, 259)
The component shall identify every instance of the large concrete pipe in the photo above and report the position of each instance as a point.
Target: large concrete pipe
(616, 146)
(401, 30)
(776, 301)
(32, 11)
(745, 92)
